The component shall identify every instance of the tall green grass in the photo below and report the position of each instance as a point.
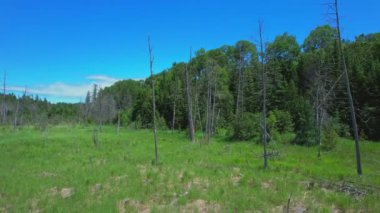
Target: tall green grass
(226, 176)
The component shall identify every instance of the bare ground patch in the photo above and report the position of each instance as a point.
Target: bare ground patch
(349, 188)
(201, 206)
(124, 205)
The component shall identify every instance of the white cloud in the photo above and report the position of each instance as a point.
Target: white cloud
(64, 90)
(103, 78)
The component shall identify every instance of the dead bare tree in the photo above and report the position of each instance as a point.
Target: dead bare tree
(239, 86)
(175, 92)
(15, 121)
(209, 103)
(118, 122)
(213, 118)
(334, 6)
(211, 76)
(197, 106)
(189, 101)
(153, 100)
(3, 106)
(264, 95)
(319, 103)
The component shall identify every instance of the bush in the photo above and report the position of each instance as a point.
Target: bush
(284, 121)
(305, 124)
(272, 122)
(329, 137)
(341, 128)
(161, 123)
(247, 126)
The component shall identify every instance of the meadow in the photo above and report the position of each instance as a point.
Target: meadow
(62, 170)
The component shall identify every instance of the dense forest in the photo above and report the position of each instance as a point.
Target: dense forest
(305, 93)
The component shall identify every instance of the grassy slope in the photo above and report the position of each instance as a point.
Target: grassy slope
(227, 175)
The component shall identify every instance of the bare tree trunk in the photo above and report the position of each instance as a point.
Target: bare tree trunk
(198, 112)
(239, 88)
(264, 112)
(23, 105)
(173, 121)
(118, 122)
(349, 94)
(319, 117)
(3, 107)
(318, 124)
(213, 109)
(189, 102)
(16, 114)
(100, 115)
(153, 101)
(208, 106)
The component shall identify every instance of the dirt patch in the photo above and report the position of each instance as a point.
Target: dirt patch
(201, 206)
(121, 177)
(294, 207)
(235, 180)
(298, 207)
(335, 209)
(48, 174)
(181, 176)
(96, 188)
(142, 170)
(125, 204)
(34, 205)
(236, 170)
(198, 183)
(201, 183)
(53, 191)
(267, 185)
(352, 190)
(278, 209)
(6, 209)
(236, 176)
(99, 162)
(67, 192)
(348, 188)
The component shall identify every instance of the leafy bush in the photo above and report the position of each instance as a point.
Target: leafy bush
(272, 122)
(305, 124)
(329, 138)
(161, 123)
(341, 127)
(284, 121)
(247, 126)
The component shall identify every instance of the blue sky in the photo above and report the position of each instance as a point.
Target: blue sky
(58, 48)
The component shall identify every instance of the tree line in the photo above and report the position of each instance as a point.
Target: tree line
(222, 88)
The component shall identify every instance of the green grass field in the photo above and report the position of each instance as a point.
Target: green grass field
(119, 175)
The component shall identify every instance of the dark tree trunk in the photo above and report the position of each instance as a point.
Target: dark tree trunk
(349, 94)
(173, 117)
(118, 122)
(189, 103)
(264, 109)
(3, 106)
(153, 101)
(16, 114)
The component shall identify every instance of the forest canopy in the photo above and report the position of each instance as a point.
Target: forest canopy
(226, 91)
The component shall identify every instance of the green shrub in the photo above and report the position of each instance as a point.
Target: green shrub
(329, 138)
(272, 122)
(161, 123)
(246, 126)
(341, 127)
(305, 124)
(284, 121)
